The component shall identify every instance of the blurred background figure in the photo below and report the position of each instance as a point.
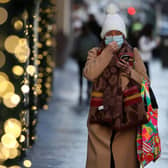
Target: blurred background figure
(146, 44)
(82, 43)
(134, 33)
(77, 25)
(94, 26)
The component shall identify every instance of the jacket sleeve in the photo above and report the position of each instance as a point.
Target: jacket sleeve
(95, 64)
(139, 72)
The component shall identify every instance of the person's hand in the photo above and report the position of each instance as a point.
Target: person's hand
(112, 47)
(93, 51)
(124, 67)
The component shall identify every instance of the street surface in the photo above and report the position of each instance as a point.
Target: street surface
(62, 131)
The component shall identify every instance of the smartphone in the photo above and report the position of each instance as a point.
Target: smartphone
(125, 57)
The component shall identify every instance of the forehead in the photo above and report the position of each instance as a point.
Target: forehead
(113, 32)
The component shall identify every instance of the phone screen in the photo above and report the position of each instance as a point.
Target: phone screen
(125, 57)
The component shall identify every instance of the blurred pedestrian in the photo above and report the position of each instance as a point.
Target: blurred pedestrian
(134, 33)
(82, 44)
(146, 44)
(77, 26)
(94, 26)
(110, 68)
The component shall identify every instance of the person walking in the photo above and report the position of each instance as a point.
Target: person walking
(108, 147)
(147, 44)
(94, 26)
(83, 42)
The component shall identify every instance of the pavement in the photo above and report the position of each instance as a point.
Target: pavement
(62, 131)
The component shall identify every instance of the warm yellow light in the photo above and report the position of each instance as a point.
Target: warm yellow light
(34, 138)
(47, 35)
(49, 43)
(4, 75)
(9, 141)
(4, 151)
(11, 100)
(25, 15)
(3, 15)
(40, 56)
(37, 62)
(22, 138)
(27, 163)
(5, 87)
(11, 43)
(3, 59)
(48, 85)
(31, 70)
(17, 145)
(2, 79)
(13, 153)
(18, 70)
(39, 91)
(4, 1)
(34, 107)
(15, 99)
(1, 166)
(22, 50)
(49, 70)
(40, 45)
(15, 166)
(23, 41)
(25, 88)
(13, 126)
(18, 25)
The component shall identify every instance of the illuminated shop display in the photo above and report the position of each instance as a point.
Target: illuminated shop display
(26, 69)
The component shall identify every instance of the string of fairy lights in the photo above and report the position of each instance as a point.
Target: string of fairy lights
(26, 71)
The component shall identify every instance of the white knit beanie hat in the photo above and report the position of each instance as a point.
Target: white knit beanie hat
(113, 21)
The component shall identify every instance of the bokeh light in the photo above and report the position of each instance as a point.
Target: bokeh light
(31, 70)
(4, 152)
(18, 70)
(4, 75)
(3, 59)
(11, 100)
(3, 15)
(25, 88)
(49, 43)
(24, 48)
(131, 11)
(13, 126)
(13, 153)
(15, 99)
(22, 51)
(18, 24)
(22, 138)
(27, 163)
(11, 43)
(5, 87)
(9, 141)
(15, 166)
(4, 1)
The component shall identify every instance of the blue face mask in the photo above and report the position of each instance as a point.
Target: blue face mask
(117, 38)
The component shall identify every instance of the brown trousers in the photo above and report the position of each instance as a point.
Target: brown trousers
(99, 149)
